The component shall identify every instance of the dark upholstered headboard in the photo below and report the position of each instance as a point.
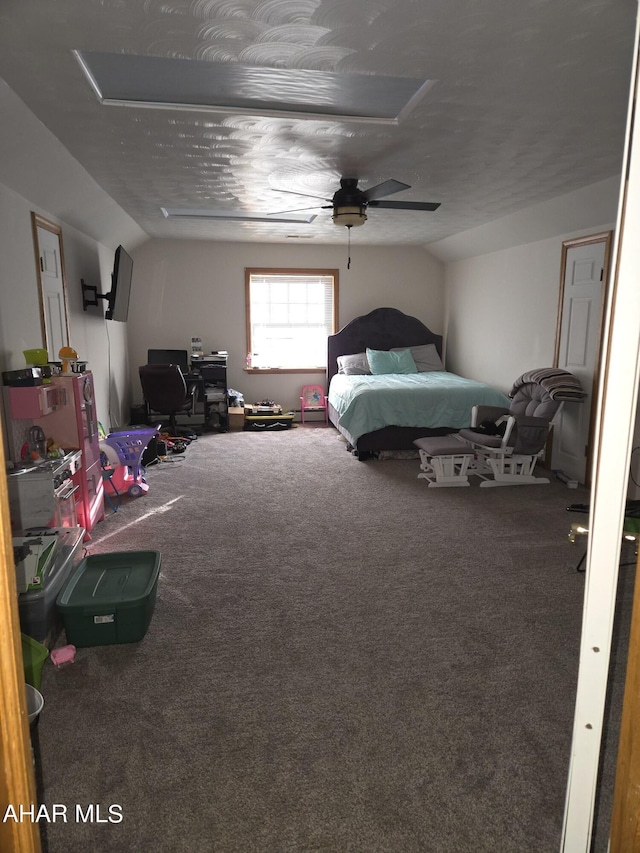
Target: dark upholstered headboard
(382, 328)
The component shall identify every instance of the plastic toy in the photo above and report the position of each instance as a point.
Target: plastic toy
(63, 655)
(125, 449)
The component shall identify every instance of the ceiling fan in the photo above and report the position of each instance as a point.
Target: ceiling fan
(350, 204)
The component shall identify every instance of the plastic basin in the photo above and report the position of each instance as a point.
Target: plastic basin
(35, 703)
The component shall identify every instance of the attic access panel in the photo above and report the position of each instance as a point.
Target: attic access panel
(156, 82)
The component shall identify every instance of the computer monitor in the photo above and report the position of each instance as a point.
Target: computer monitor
(169, 356)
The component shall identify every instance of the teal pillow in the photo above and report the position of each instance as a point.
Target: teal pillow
(386, 361)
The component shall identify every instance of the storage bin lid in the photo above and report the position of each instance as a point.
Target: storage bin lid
(103, 580)
(69, 542)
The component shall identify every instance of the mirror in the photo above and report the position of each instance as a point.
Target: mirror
(47, 238)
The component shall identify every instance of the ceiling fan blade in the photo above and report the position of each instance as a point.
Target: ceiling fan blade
(306, 195)
(406, 205)
(385, 188)
(299, 209)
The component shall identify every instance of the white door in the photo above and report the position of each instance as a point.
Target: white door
(584, 285)
(52, 289)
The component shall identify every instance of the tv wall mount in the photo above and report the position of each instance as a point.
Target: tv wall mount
(90, 295)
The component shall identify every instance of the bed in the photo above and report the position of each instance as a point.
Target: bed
(388, 412)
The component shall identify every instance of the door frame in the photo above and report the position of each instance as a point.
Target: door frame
(605, 237)
(38, 221)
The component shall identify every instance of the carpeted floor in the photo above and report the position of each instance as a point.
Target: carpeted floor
(340, 659)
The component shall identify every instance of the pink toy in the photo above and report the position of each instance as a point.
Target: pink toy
(63, 655)
(129, 447)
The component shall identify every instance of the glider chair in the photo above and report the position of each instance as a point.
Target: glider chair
(502, 446)
(165, 391)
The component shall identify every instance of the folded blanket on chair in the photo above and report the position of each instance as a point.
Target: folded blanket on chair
(558, 383)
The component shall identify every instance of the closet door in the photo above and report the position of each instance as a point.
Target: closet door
(584, 272)
(51, 284)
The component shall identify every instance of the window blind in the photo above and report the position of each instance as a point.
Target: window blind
(290, 319)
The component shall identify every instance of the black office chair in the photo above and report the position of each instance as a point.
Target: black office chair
(165, 391)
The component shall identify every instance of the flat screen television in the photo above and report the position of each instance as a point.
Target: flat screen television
(118, 298)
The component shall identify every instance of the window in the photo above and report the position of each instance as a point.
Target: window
(290, 313)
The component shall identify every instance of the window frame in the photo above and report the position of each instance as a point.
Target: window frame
(284, 271)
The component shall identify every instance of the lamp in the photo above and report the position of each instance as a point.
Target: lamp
(349, 215)
(349, 204)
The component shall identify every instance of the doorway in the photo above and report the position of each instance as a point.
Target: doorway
(584, 274)
(52, 287)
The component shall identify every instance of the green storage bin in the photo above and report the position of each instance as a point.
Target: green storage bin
(34, 654)
(110, 598)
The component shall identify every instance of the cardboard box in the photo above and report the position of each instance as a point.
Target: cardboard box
(236, 417)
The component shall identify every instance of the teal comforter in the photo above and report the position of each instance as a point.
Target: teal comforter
(431, 400)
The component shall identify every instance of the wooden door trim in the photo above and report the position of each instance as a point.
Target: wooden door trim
(17, 780)
(625, 817)
(605, 237)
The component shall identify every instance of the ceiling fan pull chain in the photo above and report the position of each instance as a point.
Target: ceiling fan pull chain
(349, 247)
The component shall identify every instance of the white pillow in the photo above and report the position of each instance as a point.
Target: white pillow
(354, 365)
(426, 357)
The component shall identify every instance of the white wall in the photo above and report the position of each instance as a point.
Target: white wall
(502, 310)
(20, 326)
(183, 289)
(576, 211)
(503, 283)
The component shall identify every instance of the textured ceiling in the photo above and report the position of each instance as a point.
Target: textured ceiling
(529, 102)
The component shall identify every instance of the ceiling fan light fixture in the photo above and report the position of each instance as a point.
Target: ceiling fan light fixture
(351, 216)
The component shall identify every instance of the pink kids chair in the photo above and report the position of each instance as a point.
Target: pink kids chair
(313, 399)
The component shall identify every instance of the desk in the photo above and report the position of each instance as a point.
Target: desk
(209, 377)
